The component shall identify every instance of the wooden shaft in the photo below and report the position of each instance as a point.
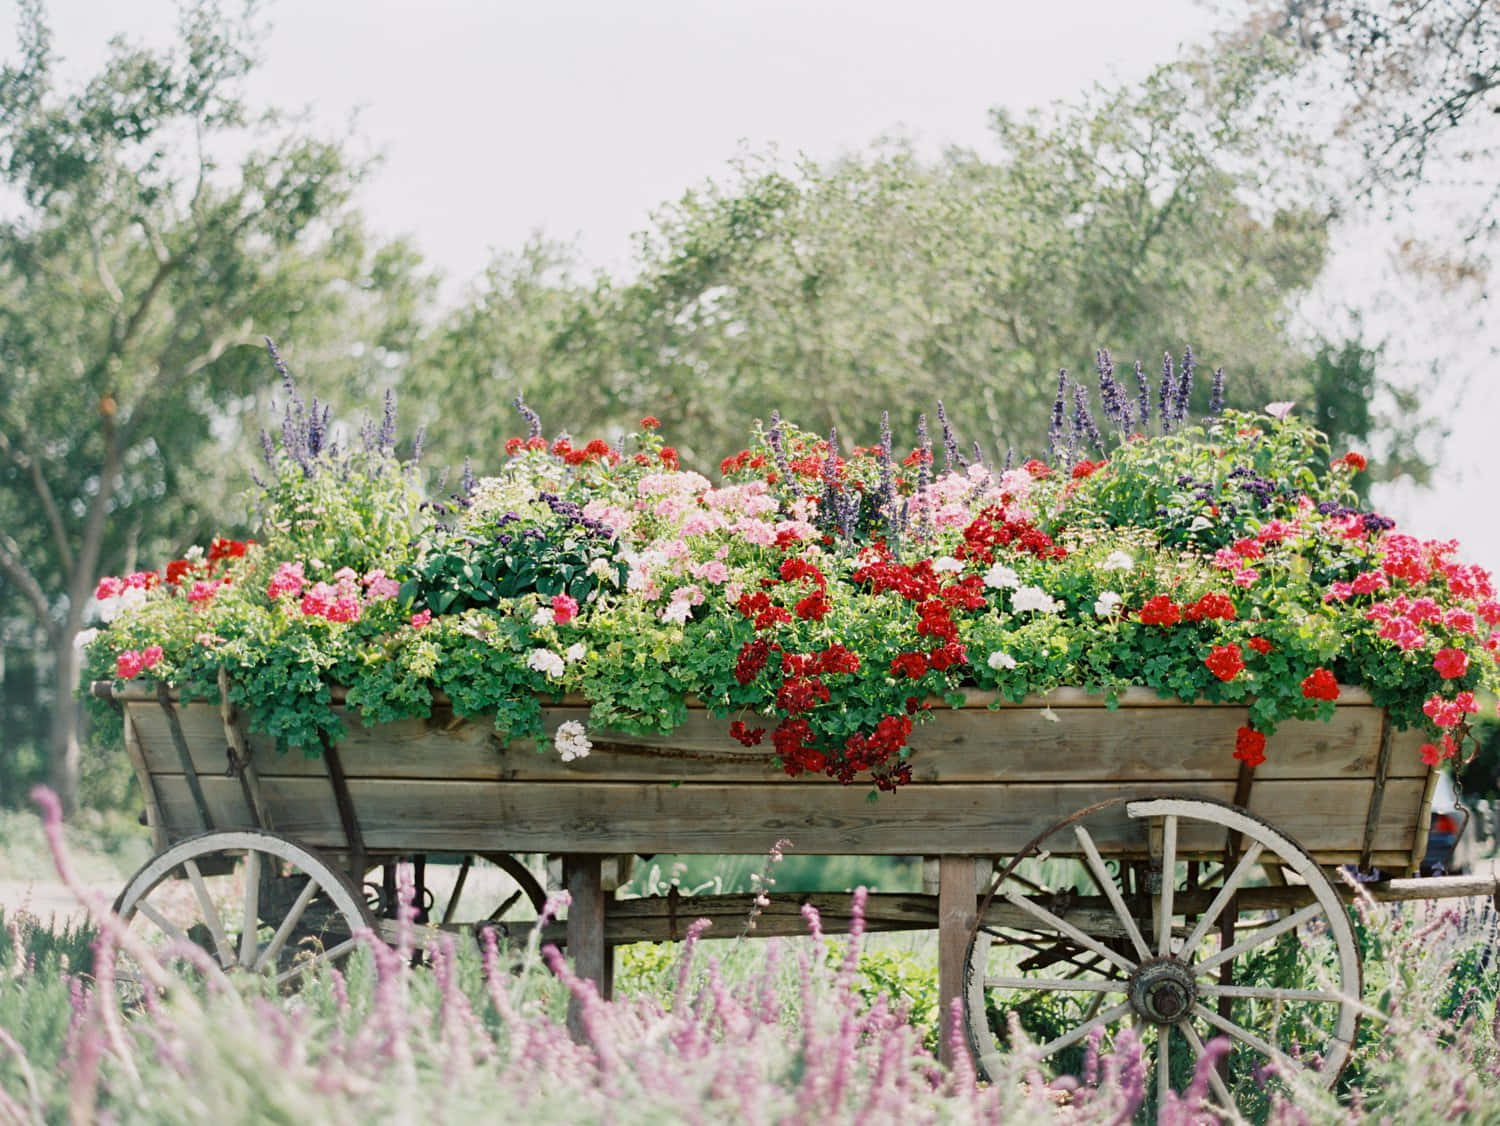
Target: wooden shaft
(184, 756)
(592, 958)
(1377, 793)
(956, 909)
(350, 823)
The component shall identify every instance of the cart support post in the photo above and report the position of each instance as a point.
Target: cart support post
(592, 959)
(958, 906)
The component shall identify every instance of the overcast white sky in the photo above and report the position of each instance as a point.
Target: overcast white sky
(498, 118)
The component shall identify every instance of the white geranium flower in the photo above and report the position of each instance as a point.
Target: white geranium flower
(678, 611)
(1001, 577)
(576, 652)
(545, 661)
(543, 617)
(1034, 598)
(571, 741)
(1107, 603)
(999, 660)
(1117, 561)
(946, 563)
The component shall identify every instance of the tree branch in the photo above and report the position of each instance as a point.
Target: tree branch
(29, 463)
(31, 590)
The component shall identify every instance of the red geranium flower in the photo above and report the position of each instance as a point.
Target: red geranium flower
(1225, 662)
(1451, 663)
(1250, 746)
(1320, 685)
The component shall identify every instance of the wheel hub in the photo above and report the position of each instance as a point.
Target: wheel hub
(1162, 990)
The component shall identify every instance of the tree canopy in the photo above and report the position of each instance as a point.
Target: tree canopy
(137, 277)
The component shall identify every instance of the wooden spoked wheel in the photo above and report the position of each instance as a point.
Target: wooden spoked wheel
(253, 902)
(483, 888)
(1204, 922)
(459, 891)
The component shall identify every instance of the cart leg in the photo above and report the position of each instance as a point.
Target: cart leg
(957, 906)
(591, 958)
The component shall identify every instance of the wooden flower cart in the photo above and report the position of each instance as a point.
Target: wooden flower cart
(1097, 865)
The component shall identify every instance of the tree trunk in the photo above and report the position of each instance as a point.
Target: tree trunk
(65, 751)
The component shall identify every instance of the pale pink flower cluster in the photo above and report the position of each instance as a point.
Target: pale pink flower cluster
(336, 603)
(288, 579)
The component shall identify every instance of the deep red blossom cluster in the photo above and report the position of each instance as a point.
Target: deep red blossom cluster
(992, 529)
(1160, 610)
(1225, 661)
(1250, 746)
(1320, 684)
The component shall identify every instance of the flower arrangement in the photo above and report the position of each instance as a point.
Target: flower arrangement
(823, 602)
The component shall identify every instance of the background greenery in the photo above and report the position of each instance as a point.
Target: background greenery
(162, 225)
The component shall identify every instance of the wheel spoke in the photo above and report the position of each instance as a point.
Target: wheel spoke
(1070, 984)
(1068, 1038)
(1215, 1080)
(1271, 993)
(1023, 904)
(458, 890)
(1216, 908)
(222, 948)
(1245, 1036)
(248, 936)
(308, 964)
(1168, 884)
(164, 924)
(283, 932)
(1163, 1066)
(1111, 890)
(1265, 934)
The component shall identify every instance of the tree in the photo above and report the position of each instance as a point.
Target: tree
(137, 277)
(1139, 220)
(1402, 78)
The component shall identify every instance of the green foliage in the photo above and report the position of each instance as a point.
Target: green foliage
(163, 226)
(839, 289)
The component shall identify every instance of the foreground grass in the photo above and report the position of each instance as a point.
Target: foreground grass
(775, 1032)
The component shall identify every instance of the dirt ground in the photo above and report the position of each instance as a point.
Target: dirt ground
(47, 899)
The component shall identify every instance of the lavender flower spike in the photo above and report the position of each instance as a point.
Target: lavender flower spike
(924, 478)
(1216, 399)
(1059, 413)
(885, 496)
(1144, 386)
(533, 420)
(1116, 408)
(950, 444)
(1084, 427)
(1166, 397)
(1185, 385)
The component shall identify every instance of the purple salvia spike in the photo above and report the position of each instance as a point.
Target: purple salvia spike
(924, 478)
(1109, 391)
(1144, 386)
(387, 439)
(1185, 385)
(774, 439)
(267, 448)
(533, 420)
(416, 444)
(1059, 416)
(979, 456)
(467, 484)
(1216, 399)
(886, 502)
(1166, 403)
(1084, 427)
(950, 444)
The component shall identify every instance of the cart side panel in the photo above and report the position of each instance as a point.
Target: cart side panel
(966, 818)
(957, 745)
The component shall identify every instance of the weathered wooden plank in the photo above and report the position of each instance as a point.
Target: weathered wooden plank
(963, 745)
(957, 916)
(981, 819)
(592, 959)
